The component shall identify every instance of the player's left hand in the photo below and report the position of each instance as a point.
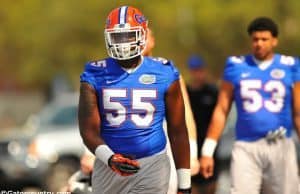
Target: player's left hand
(122, 165)
(184, 191)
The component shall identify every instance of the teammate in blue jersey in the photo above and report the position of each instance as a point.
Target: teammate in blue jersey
(266, 89)
(123, 101)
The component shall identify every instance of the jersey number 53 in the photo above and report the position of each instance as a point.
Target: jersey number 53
(253, 100)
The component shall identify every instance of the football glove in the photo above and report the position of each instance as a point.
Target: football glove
(184, 191)
(122, 165)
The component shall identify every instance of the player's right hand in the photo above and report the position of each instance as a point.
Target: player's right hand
(206, 166)
(122, 165)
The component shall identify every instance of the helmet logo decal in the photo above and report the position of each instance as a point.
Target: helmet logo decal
(140, 18)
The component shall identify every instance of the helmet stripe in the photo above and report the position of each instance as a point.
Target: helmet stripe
(125, 14)
(119, 15)
(122, 15)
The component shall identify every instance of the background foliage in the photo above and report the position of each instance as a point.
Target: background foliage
(40, 39)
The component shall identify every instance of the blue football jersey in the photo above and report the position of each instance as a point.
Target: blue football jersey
(132, 105)
(263, 97)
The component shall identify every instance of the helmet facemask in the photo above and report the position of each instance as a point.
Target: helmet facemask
(124, 42)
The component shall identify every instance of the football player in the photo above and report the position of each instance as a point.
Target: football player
(123, 101)
(80, 181)
(266, 89)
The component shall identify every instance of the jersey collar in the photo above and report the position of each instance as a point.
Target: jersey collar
(132, 70)
(263, 65)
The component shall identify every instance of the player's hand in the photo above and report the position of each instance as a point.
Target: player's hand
(195, 166)
(184, 191)
(123, 165)
(87, 163)
(206, 166)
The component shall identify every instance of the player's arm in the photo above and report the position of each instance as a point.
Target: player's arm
(189, 118)
(215, 128)
(191, 127)
(89, 126)
(178, 134)
(89, 118)
(296, 107)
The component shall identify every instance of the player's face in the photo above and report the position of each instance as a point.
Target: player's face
(124, 37)
(263, 43)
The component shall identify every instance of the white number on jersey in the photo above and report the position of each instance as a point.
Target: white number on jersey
(277, 89)
(287, 60)
(253, 100)
(236, 59)
(140, 102)
(111, 105)
(160, 59)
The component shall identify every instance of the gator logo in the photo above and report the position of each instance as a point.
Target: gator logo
(140, 18)
(147, 79)
(277, 74)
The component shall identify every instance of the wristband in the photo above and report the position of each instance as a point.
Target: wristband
(184, 178)
(208, 147)
(103, 153)
(193, 149)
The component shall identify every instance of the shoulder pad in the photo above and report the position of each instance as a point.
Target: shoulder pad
(99, 63)
(161, 60)
(236, 59)
(287, 60)
(96, 66)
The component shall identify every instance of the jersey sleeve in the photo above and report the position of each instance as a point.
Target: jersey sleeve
(296, 70)
(228, 74)
(87, 76)
(174, 73)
